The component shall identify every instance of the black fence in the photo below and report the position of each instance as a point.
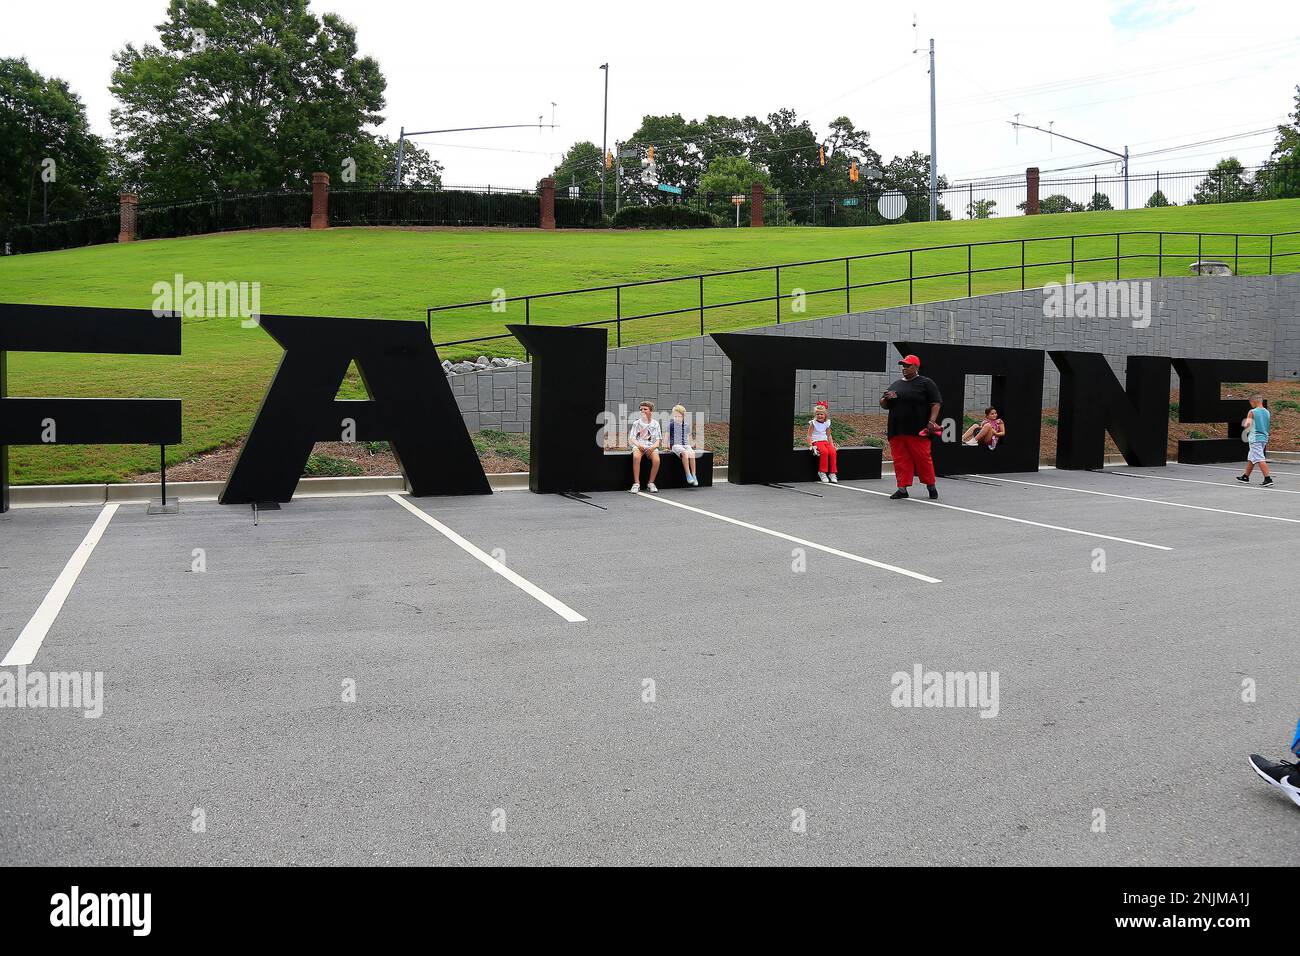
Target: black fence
(348, 206)
(999, 266)
(1092, 192)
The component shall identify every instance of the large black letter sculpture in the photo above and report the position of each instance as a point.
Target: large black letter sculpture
(1093, 403)
(1017, 393)
(762, 404)
(1200, 383)
(84, 421)
(568, 403)
(410, 405)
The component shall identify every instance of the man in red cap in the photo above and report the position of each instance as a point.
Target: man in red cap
(913, 402)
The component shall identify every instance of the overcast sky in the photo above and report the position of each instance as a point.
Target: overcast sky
(1150, 74)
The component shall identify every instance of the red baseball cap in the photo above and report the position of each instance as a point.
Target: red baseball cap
(910, 360)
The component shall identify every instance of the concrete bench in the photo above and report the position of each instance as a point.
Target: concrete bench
(672, 473)
(852, 462)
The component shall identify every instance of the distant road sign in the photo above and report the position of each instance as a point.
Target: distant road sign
(629, 153)
(738, 200)
(675, 190)
(850, 202)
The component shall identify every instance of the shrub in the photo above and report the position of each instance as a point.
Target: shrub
(663, 217)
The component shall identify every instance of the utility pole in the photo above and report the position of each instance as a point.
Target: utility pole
(1122, 156)
(401, 138)
(618, 177)
(604, 140)
(401, 151)
(934, 146)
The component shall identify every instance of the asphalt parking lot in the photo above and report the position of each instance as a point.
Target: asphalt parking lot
(705, 676)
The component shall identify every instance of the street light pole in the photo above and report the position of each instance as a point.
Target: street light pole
(934, 146)
(1122, 156)
(604, 141)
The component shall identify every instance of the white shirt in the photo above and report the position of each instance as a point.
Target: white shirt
(644, 433)
(821, 431)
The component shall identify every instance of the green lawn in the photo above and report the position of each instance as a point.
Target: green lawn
(396, 274)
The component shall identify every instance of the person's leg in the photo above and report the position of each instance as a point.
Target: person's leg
(832, 456)
(821, 456)
(654, 464)
(925, 465)
(966, 435)
(690, 460)
(902, 457)
(636, 466)
(985, 434)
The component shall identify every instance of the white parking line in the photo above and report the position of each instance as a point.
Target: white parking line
(1154, 501)
(789, 537)
(989, 514)
(1239, 469)
(528, 587)
(33, 635)
(1216, 484)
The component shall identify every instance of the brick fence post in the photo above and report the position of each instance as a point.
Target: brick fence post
(320, 200)
(1031, 191)
(547, 199)
(128, 207)
(756, 205)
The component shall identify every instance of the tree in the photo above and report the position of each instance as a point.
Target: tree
(380, 164)
(581, 166)
(910, 175)
(1056, 203)
(47, 149)
(1225, 183)
(729, 176)
(1099, 203)
(981, 209)
(1279, 177)
(1158, 199)
(244, 95)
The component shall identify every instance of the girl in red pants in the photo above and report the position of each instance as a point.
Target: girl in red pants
(821, 442)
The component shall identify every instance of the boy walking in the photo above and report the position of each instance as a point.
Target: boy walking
(1256, 425)
(644, 438)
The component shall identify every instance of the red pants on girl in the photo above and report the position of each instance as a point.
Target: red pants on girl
(911, 454)
(826, 457)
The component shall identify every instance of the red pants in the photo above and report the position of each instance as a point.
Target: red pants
(826, 457)
(911, 454)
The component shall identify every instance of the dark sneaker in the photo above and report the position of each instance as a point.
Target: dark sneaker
(900, 493)
(1244, 479)
(1268, 481)
(933, 489)
(1284, 776)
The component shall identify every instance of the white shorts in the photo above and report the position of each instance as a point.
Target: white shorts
(1256, 453)
(683, 450)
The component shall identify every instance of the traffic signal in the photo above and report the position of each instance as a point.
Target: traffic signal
(609, 159)
(821, 155)
(650, 153)
(853, 171)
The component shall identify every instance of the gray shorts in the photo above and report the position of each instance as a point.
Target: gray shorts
(1256, 453)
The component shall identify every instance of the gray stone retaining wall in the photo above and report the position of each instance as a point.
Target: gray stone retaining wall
(1246, 317)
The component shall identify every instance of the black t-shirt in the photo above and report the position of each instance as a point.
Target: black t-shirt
(910, 412)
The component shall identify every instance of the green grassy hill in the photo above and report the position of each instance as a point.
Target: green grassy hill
(397, 273)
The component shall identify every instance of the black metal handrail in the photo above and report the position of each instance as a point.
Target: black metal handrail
(847, 288)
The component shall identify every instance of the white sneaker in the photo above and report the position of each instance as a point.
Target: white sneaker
(835, 479)
(970, 444)
(821, 476)
(635, 488)
(652, 489)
